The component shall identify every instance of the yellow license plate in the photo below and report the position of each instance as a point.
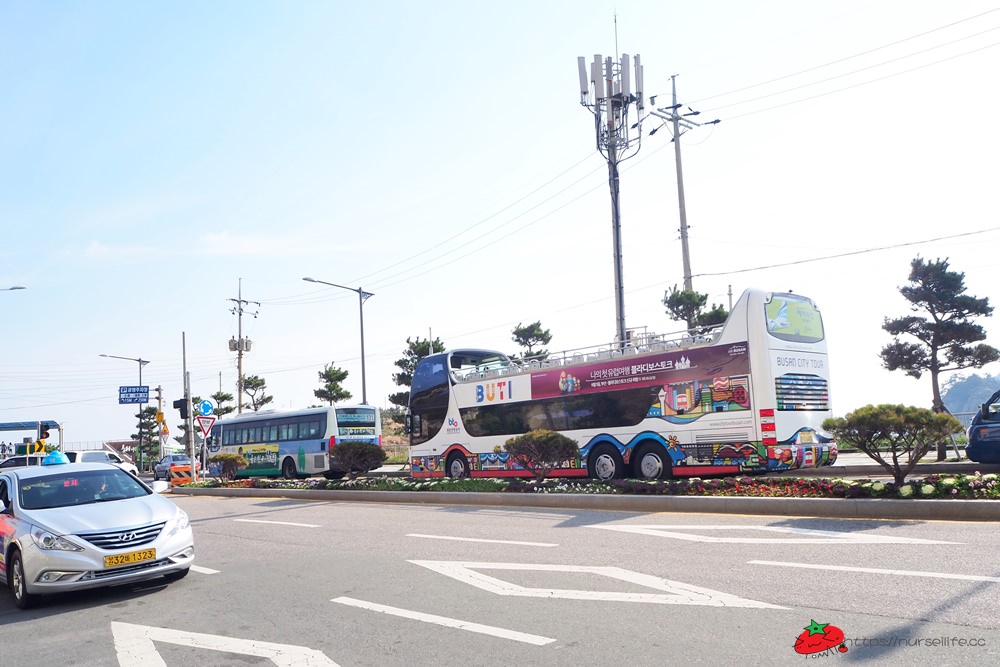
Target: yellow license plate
(130, 558)
(807, 438)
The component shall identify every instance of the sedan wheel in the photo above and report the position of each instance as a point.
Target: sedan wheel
(18, 585)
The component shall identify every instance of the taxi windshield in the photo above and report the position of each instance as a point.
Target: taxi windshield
(70, 487)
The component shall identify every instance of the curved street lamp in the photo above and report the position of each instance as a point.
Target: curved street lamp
(362, 296)
(11, 289)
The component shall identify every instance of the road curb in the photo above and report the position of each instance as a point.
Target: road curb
(840, 508)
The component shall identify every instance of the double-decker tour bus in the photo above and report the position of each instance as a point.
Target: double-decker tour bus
(292, 443)
(747, 396)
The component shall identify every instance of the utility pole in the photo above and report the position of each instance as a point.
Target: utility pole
(160, 420)
(240, 345)
(679, 123)
(188, 422)
(611, 83)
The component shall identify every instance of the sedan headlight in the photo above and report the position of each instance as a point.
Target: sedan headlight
(180, 522)
(49, 542)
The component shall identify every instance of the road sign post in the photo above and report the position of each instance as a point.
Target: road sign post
(206, 423)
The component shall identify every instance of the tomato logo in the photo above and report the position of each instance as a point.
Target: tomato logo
(819, 637)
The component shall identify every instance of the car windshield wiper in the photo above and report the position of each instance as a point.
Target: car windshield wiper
(109, 498)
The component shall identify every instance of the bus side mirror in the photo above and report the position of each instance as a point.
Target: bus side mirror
(408, 423)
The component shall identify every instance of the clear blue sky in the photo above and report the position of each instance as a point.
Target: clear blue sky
(154, 154)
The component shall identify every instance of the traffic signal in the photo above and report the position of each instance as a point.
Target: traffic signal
(159, 396)
(182, 405)
(43, 433)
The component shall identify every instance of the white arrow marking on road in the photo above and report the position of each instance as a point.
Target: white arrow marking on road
(491, 630)
(873, 570)
(134, 645)
(808, 536)
(478, 539)
(674, 592)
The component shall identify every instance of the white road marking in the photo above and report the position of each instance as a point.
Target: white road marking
(204, 570)
(491, 630)
(135, 647)
(808, 536)
(279, 523)
(874, 570)
(477, 539)
(673, 592)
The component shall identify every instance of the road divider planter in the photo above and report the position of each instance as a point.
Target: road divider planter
(842, 508)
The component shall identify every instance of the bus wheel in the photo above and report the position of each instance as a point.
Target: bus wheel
(288, 469)
(652, 462)
(457, 466)
(605, 463)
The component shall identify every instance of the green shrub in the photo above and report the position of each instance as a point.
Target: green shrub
(357, 458)
(541, 451)
(895, 436)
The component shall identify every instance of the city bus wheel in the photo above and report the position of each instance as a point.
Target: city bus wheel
(652, 462)
(605, 463)
(288, 469)
(457, 466)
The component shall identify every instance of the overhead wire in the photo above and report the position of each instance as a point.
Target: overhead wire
(847, 58)
(391, 279)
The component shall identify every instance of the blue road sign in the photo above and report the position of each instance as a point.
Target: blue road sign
(206, 408)
(133, 395)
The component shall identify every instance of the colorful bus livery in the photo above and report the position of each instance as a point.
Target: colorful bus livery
(291, 444)
(749, 396)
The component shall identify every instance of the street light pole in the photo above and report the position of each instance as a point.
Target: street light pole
(11, 289)
(142, 362)
(362, 296)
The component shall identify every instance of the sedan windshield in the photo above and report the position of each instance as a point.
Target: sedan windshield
(68, 488)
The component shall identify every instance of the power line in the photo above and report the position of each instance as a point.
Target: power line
(848, 254)
(864, 83)
(851, 57)
(863, 69)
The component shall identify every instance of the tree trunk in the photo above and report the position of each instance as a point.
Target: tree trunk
(938, 406)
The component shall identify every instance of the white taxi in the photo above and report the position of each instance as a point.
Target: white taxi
(65, 527)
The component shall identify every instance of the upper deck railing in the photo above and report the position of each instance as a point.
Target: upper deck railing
(640, 342)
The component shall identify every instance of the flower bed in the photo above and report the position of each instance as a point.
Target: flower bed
(958, 487)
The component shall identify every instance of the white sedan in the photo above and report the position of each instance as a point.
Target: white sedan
(66, 527)
(101, 456)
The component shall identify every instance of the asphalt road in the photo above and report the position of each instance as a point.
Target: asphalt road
(319, 583)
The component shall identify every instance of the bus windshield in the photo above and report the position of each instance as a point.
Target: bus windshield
(793, 318)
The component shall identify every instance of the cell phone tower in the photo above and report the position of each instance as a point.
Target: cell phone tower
(607, 92)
